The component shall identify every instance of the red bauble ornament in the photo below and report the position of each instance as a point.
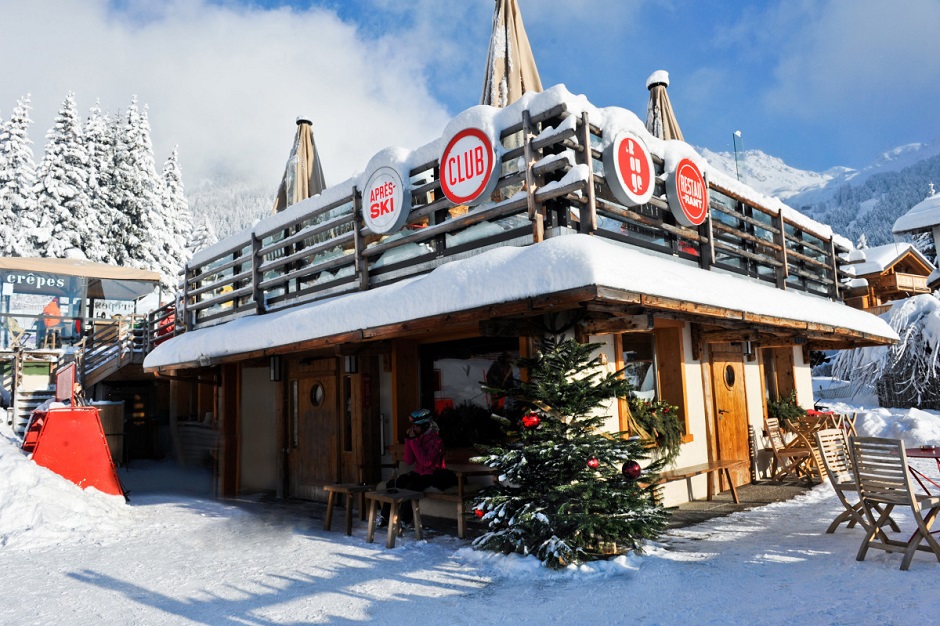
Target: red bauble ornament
(631, 470)
(478, 512)
(531, 420)
(593, 463)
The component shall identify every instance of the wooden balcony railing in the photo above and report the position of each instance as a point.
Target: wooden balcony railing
(551, 177)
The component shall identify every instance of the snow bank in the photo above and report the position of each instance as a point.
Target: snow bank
(40, 508)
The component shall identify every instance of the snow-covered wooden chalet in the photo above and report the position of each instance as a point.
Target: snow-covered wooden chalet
(311, 337)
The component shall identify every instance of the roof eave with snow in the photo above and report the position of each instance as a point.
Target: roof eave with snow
(560, 265)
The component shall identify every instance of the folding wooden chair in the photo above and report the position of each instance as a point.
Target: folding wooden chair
(794, 457)
(883, 479)
(835, 461)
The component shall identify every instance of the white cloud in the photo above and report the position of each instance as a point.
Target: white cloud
(225, 83)
(855, 57)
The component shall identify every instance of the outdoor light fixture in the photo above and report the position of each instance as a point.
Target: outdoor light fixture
(274, 365)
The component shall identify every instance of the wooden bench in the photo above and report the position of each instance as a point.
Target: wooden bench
(711, 467)
(394, 498)
(348, 490)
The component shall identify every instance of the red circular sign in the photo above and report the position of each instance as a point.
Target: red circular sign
(633, 166)
(630, 168)
(467, 166)
(690, 194)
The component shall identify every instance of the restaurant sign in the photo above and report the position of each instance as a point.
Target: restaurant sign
(385, 203)
(687, 194)
(467, 167)
(629, 169)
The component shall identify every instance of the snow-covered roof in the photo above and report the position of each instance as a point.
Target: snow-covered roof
(511, 274)
(76, 267)
(879, 258)
(922, 216)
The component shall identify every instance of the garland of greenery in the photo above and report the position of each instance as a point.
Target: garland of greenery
(658, 422)
(786, 410)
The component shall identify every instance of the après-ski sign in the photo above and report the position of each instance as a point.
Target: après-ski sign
(687, 194)
(383, 201)
(467, 166)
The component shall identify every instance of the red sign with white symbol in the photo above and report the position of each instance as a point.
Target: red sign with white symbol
(467, 166)
(687, 194)
(629, 168)
(383, 201)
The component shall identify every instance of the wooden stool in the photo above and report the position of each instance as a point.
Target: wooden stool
(348, 490)
(394, 497)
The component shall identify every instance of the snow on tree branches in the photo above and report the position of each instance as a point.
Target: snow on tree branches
(95, 195)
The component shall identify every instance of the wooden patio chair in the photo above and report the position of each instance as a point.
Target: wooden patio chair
(884, 480)
(795, 457)
(835, 461)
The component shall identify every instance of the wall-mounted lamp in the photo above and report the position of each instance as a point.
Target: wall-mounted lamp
(274, 364)
(352, 364)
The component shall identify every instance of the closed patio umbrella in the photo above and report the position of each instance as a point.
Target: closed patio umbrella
(303, 176)
(660, 118)
(510, 66)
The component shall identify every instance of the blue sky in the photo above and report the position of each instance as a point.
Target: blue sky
(818, 83)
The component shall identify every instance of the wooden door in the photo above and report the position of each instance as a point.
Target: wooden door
(313, 429)
(727, 367)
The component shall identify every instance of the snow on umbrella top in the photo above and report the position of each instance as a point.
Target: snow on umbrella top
(303, 175)
(510, 66)
(660, 118)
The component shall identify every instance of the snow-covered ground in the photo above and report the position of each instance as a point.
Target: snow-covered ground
(173, 555)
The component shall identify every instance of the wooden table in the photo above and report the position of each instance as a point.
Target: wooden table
(394, 498)
(463, 471)
(924, 452)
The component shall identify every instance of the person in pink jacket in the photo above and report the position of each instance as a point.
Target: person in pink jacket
(424, 451)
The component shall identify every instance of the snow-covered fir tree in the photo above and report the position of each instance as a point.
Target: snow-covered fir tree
(203, 236)
(63, 206)
(137, 193)
(571, 492)
(99, 144)
(178, 222)
(17, 181)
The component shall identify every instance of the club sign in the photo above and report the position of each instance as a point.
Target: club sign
(467, 166)
(383, 201)
(687, 194)
(629, 168)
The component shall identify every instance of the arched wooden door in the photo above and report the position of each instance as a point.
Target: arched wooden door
(727, 368)
(313, 429)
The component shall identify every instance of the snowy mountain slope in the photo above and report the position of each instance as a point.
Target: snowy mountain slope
(230, 205)
(770, 175)
(853, 202)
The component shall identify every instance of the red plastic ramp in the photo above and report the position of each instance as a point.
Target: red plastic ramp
(72, 444)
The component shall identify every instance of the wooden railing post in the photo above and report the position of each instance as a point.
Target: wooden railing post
(783, 271)
(536, 216)
(834, 261)
(256, 293)
(362, 265)
(588, 213)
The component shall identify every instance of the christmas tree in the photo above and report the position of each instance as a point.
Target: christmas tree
(568, 491)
